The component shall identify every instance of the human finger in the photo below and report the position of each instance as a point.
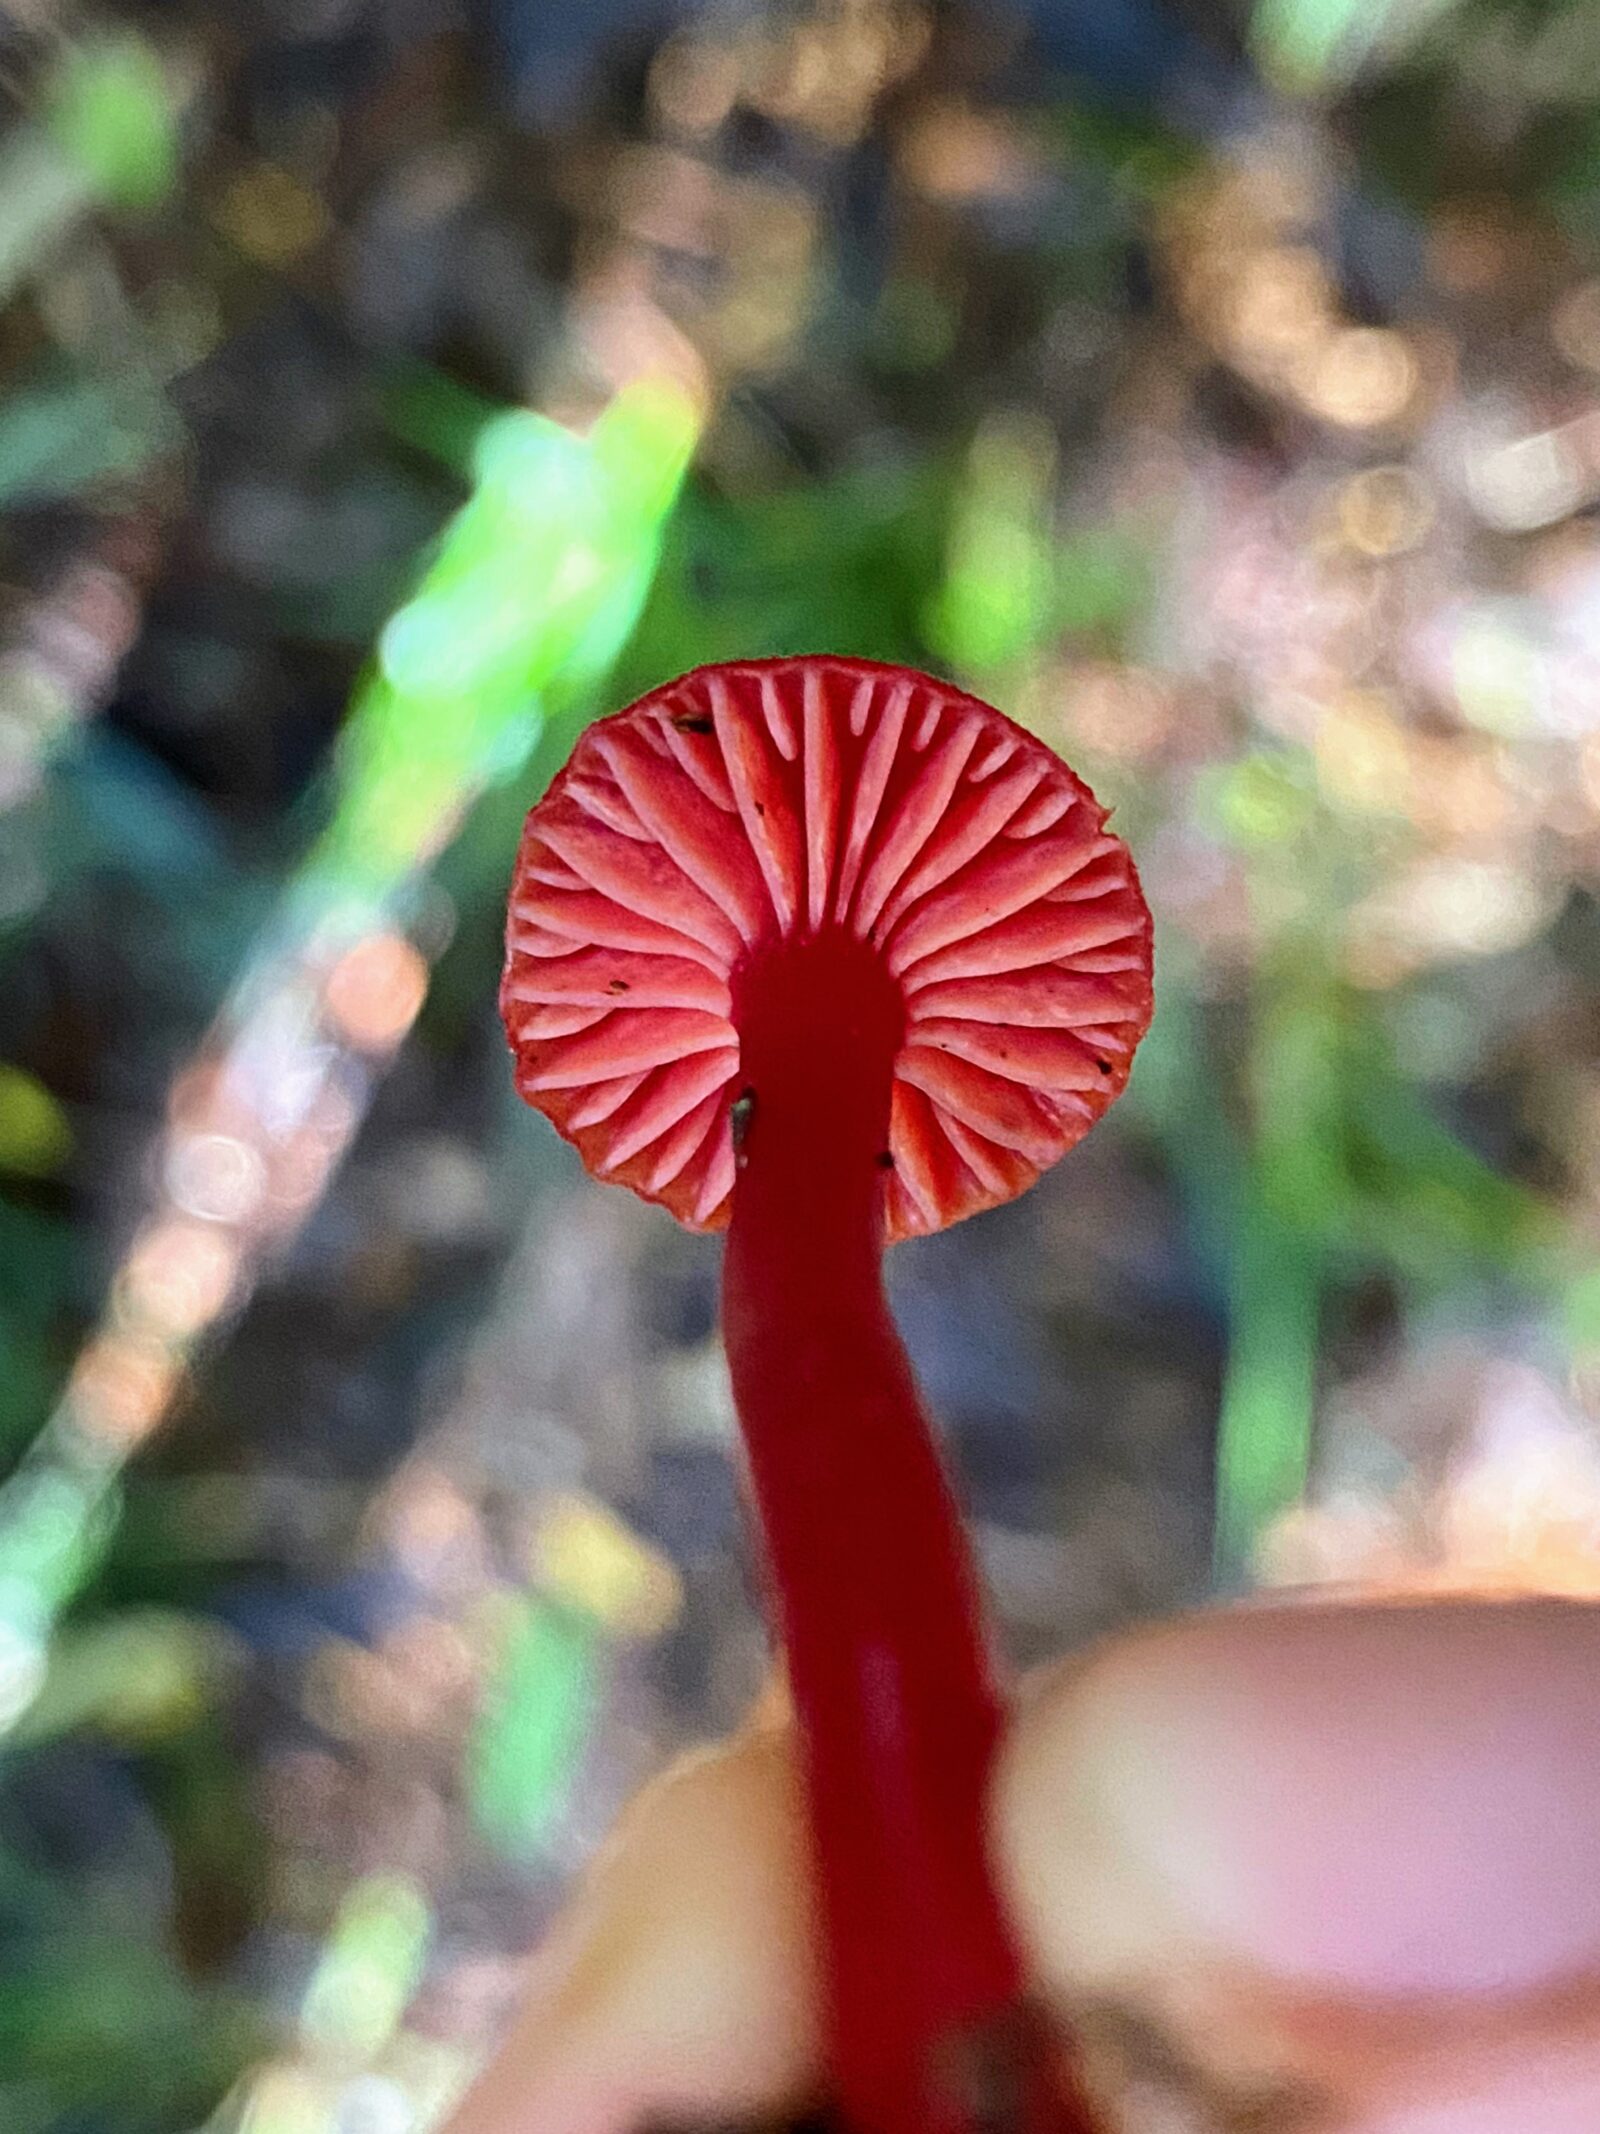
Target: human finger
(1332, 1864)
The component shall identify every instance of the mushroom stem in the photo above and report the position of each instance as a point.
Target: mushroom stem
(873, 1584)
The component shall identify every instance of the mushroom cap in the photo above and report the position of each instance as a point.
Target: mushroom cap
(765, 799)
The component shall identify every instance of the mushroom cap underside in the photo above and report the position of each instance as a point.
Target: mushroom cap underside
(757, 801)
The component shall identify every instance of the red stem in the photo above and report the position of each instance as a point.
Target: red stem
(874, 1585)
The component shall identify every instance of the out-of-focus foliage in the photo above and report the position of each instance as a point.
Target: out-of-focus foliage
(386, 389)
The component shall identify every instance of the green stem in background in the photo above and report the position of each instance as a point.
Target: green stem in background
(532, 590)
(1266, 1263)
(107, 138)
(1264, 1425)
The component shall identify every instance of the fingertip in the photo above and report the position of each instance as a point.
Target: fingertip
(1319, 1844)
(680, 1984)
(1259, 1763)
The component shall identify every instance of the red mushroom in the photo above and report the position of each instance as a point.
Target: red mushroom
(828, 953)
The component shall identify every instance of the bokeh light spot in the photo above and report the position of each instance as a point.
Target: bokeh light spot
(375, 990)
(177, 1277)
(1383, 511)
(217, 1177)
(1363, 377)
